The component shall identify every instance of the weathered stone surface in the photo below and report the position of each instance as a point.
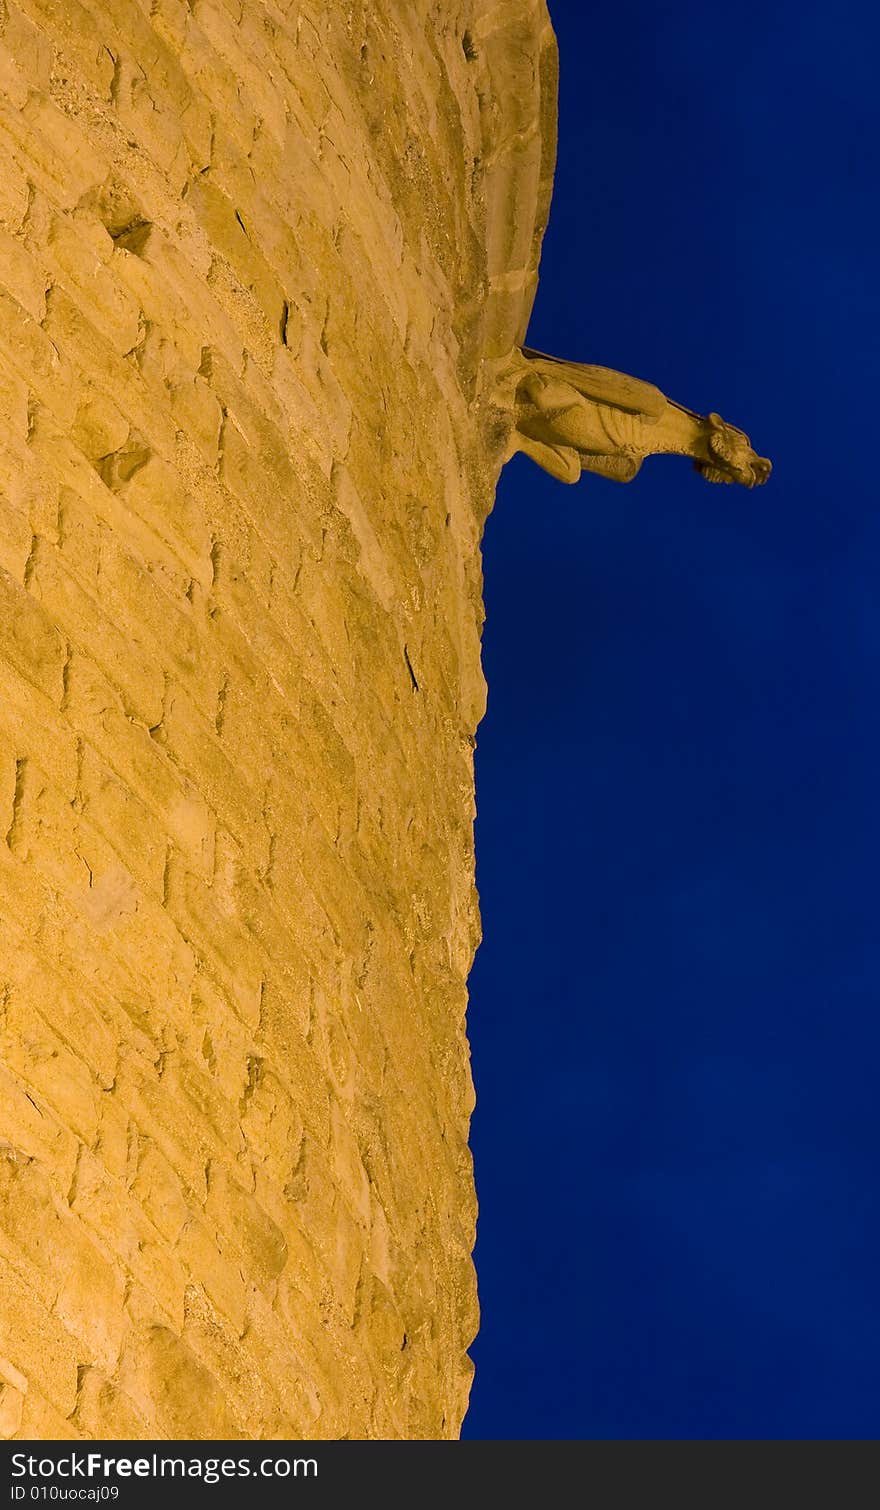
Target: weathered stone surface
(252, 257)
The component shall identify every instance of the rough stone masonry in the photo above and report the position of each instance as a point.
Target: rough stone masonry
(254, 258)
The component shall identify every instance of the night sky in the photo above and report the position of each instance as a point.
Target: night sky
(674, 1012)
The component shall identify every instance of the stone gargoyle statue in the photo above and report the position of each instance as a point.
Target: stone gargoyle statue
(571, 418)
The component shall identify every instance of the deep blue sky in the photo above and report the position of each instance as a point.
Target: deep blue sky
(674, 1014)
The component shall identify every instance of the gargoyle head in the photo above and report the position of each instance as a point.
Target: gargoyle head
(731, 458)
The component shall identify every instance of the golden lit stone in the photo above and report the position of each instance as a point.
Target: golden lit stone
(253, 257)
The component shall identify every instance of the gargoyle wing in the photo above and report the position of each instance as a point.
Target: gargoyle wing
(601, 384)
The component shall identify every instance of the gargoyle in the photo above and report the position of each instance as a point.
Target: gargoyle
(570, 417)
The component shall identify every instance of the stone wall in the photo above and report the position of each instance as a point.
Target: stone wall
(252, 256)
